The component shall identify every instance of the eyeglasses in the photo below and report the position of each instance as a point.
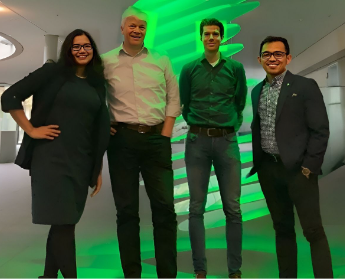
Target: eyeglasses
(86, 47)
(277, 55)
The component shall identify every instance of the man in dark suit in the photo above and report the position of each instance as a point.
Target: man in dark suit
(290, 135)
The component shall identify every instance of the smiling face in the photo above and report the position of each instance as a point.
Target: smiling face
(82, 57)
(134, 31)
(211, 38)
(274, 66)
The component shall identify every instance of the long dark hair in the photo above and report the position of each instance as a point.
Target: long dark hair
(94, 70)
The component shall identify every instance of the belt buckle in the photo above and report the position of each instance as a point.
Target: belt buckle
(208, 132)
(141, 128)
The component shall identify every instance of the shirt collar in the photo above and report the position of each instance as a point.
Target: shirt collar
(123, 51)
(203, 57)
(278, 79)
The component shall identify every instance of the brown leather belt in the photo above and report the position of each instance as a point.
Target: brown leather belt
(211, 132)
(141, 128)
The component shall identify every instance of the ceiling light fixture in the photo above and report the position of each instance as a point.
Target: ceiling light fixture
(5, 42)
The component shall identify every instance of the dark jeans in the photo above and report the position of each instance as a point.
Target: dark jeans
(129, 153)
(284, 189)
(223, 152)
(60, 253)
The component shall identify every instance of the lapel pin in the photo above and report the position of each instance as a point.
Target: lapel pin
(294, 94)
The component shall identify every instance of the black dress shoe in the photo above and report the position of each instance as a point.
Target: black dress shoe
(237, 274)
(200, 274)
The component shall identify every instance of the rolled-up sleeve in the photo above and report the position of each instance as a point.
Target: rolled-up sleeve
(13, 97)
(173, 108)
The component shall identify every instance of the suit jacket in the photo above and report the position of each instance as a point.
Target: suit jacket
(301, 127)
(44, 84)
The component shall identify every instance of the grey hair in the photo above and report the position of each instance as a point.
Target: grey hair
(133, 11)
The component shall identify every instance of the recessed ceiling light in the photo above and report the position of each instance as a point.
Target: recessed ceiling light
(2, 9)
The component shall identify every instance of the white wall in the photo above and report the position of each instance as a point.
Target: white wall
(331, 44)
(320, 76)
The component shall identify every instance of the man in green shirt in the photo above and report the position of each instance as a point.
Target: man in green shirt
(213, 94)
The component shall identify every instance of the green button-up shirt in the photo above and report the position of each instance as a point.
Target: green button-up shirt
(213, 96)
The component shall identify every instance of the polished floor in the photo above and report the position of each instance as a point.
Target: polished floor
(22, 244)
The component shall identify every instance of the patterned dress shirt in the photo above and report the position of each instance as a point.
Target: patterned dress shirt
(267, 112)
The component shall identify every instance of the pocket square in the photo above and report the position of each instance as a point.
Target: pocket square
(294, 94)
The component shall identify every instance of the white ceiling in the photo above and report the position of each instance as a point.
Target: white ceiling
(302, 22)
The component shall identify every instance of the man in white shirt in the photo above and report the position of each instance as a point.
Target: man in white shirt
(143, 100)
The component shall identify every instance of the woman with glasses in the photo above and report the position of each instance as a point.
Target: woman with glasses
(64, 142)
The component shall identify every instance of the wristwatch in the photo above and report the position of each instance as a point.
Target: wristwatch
(306, 172)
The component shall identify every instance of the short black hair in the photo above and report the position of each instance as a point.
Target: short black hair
(94, 70)
(270, 39)
(212, 21)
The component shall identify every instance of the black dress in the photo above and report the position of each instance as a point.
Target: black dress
(61, 169)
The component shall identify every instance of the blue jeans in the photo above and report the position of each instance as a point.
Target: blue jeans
(223, 152)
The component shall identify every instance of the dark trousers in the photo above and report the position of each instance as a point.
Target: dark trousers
(129, 153)
(284, 189)
(60, 252)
